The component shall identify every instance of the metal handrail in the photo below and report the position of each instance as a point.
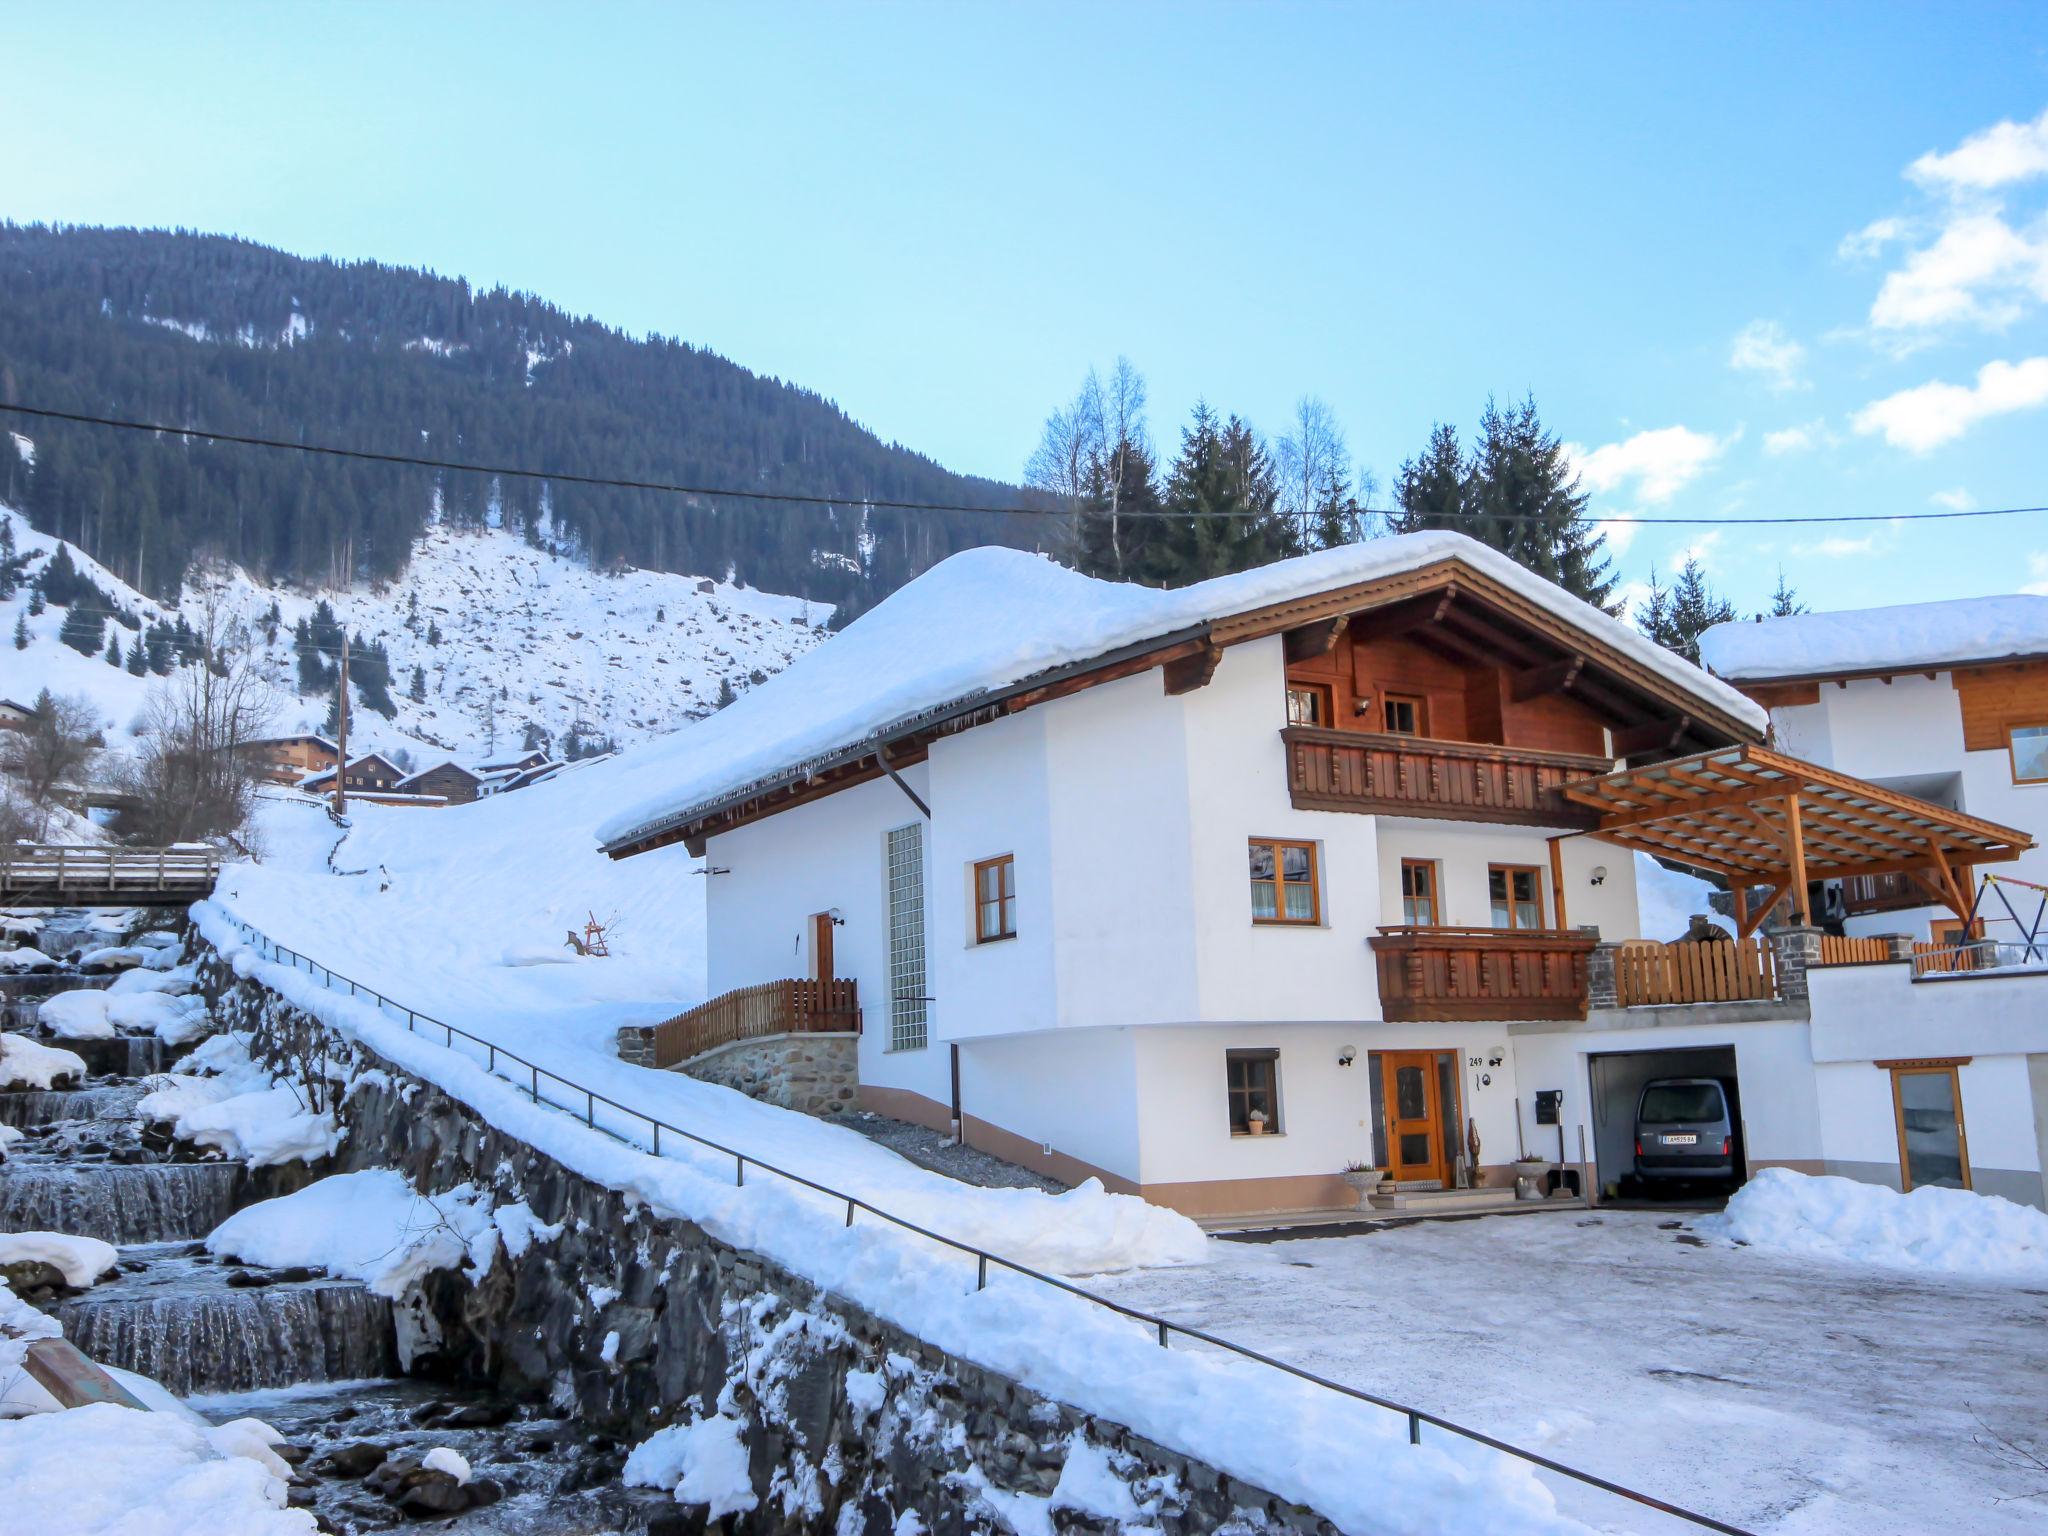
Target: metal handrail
(1164, 1327)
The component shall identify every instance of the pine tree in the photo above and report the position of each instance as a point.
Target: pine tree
(84, 628)
(1433, 488)
(138, 664)
(21, 631)
(725, 694)
(1677, 619)
(1222, 502)
(1653, 615)
(1784, 601)
(113, 657)
(35, 602)
(1116, 525)
(1530, 507)
(418, 691)
(433, 633)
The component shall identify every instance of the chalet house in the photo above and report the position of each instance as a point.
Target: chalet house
(15, 717)
(453, 783)
(371, 772)
(1946, 700)
(1210, 892)
(288, 759)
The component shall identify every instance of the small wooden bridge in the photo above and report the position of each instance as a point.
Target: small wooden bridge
(49, 875)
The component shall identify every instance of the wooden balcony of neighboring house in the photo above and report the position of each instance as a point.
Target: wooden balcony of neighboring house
(1390, 775)
(1431, 975)
(1863, 894)
(785, 1007)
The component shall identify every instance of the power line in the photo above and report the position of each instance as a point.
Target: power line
(672, 488)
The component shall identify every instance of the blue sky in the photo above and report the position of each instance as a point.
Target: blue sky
(1753, 259)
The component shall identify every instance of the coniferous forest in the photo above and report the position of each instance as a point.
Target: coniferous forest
(211, 331)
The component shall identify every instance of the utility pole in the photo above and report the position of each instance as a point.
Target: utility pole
(341, 735)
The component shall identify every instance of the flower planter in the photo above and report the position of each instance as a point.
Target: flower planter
(1364, 1181)
(1530, 1175)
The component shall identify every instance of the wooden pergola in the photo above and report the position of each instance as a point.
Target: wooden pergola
(1761, 820)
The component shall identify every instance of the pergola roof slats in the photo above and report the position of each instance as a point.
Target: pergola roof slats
(1753, 816)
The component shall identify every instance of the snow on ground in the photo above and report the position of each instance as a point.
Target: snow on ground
(986, 618)
(1945, 1231)
(25, 1063)
(238, 1109)
(1787, 1395)
(1344, 1458)
(1667, 900)
(79, 1015)
(368, 1226)
(81, 1260)
(627, 655)
(705, 1462)
(104, 1469)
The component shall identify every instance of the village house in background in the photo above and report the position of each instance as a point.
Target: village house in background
(1213, 892)
(289, 759)
(306, 761)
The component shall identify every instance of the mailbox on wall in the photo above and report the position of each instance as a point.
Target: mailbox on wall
(1548, 1101)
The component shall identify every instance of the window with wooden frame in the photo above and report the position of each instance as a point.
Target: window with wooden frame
(1308, 704)
(1404, 714)
(1284, 883)
(1252, 1085)
(995, 899)
(1419, 907)
(2028, 745)
(1515, 892)
(1927, 1099)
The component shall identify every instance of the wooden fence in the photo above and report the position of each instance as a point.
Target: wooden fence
(54, 874)
(1836, 950)
(752, 1013)
(1714, 971)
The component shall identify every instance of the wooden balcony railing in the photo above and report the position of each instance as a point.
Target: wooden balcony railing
(751, 1013)
(1713, 971)
(1417, 776)
(1882, 893)
(1438, 974)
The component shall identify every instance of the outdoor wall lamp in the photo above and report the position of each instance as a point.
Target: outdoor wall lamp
(1599, 874)
(1346, 1056)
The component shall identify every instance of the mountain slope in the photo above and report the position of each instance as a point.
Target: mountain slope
(210, 330)
(525, 638)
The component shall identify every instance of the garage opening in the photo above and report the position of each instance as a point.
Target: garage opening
(1618, 1080)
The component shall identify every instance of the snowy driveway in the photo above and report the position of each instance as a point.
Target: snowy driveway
(1785, 1395)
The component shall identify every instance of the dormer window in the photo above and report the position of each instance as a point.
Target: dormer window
(2029, 744)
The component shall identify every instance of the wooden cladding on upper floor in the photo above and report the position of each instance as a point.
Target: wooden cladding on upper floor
(1380, 774)
(1435, 975)
(1996, 698)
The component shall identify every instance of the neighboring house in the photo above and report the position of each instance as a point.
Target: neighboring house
(1947, 700)
(505, 767)
(1209, 892)
(455, 784)
(288, 759)
(15, 717)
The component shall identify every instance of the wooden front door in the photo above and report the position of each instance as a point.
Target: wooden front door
(1417, 1142)
(821, 946)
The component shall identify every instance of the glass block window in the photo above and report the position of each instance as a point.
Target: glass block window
(907, 999)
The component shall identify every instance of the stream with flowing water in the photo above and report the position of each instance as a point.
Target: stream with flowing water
(315, 1357)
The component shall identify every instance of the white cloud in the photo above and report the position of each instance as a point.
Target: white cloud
(1620, 535)
(1701, 549)
(1997, 156)
(2037, 567)
(1923, 418)
(1658, 463)
(1838, 547)
(1870, 241)
(1979, 269)
(1763, 347)
(1632, 595)
(1794, 439)
(1957, 500)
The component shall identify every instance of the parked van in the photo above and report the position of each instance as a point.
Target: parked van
(1684, 1130)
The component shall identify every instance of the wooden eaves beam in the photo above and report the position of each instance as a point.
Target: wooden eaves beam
(1307, 641)
(1187, 673)
(1549, 677)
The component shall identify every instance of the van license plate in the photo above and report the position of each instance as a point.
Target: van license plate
(1681, 1141)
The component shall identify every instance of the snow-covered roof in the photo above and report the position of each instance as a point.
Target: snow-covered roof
(1963, 629)
(279, 741)
(988, 618)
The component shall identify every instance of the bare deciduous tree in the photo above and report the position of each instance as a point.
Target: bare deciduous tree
(1314, 466)
(192, 777)
(1082, 453)
(57, 748)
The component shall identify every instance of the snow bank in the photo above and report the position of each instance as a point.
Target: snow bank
(9, 1135)
(444, 1458)
(80, 1015)
(173, 1020)
(368, 1226)
(1945, 1231)
(26, 1064)
(81, 1260)
(101, 1470)
(987, 618)
(239, 1110)
(20, 1326)
(1865, 639)
(1667, 900)
(705, 1463)
(115, 957)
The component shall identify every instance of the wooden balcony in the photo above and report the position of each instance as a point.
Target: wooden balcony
(1418, 776)
(1883, 893)
(770, 1008)
(1431, 975)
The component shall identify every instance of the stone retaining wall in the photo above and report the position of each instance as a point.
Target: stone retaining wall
(636, 1322)
(817, 1073)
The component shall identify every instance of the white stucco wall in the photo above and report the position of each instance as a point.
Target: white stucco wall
(1879, 1013)
(1075, 1091)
